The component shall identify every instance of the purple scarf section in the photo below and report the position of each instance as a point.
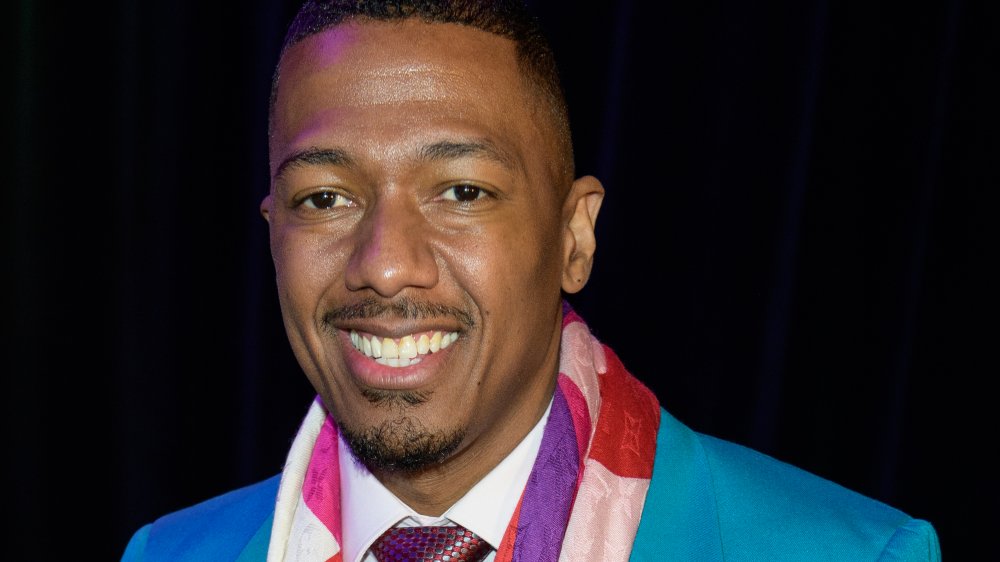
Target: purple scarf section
(551, 488)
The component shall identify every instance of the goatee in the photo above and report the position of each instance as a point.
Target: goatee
(401, 445)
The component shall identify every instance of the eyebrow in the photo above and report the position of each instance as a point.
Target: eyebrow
(450, 150)
(442, 150)
(316, 157)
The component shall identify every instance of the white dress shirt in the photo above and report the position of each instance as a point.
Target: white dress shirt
(368, 509)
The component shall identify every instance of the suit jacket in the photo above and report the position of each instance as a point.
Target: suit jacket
(708, 500)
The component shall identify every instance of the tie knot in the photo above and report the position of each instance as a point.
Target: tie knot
(426, 544)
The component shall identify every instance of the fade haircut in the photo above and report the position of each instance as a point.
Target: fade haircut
(510, 19)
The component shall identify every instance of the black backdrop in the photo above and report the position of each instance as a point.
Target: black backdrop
(792, 248)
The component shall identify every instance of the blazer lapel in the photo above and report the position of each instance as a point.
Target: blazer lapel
(679, 518)
(256, 549)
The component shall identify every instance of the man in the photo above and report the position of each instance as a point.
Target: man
(424, 222)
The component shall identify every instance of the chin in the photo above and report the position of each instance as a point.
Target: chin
(403, 445)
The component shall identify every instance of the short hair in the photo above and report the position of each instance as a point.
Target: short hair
(510, 19)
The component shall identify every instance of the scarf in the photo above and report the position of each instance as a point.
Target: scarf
(583, 499)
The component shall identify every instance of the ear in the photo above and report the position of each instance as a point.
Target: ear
(583, 202)
(265, 207)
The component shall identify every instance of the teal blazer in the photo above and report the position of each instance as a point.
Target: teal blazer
(708, 500)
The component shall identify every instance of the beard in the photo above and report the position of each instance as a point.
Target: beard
(403, 445)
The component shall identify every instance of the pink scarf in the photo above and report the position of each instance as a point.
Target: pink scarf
(582, 501)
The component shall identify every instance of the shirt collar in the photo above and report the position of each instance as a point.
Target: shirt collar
(368, 508)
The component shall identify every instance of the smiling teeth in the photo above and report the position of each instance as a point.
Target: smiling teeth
(403, 352)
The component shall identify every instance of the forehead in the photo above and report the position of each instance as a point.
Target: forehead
(402, 75)
(379, 51)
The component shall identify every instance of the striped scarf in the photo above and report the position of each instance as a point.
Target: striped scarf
(583, 499)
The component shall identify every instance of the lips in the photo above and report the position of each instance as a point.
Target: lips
(401, 352)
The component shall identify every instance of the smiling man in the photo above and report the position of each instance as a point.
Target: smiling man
(422, 225)
(425, 222)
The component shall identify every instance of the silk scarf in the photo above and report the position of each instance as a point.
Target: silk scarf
(583, 499)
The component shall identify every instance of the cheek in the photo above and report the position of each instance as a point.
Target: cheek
(509, 268)
(534, 256)
(305, 266)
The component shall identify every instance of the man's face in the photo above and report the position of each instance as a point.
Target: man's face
(414, 215)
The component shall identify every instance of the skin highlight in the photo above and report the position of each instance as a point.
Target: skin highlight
(414, 190)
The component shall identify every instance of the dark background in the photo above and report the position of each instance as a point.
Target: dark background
(792, 253)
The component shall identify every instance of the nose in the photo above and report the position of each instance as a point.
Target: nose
(391, 251)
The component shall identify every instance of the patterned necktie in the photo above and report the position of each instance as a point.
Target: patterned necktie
(426, 544)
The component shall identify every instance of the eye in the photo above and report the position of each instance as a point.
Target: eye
(325, 200)
(464, 193)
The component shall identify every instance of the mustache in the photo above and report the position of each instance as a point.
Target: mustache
(402, 308)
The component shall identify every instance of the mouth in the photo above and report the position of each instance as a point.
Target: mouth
(401, 352)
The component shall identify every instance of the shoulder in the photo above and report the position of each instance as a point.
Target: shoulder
(755, 492)
(216, 529)
(753, 505)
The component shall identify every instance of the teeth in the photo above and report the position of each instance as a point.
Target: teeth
(389, 349)
(396, 362)
(407, 348)
(403, 352)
